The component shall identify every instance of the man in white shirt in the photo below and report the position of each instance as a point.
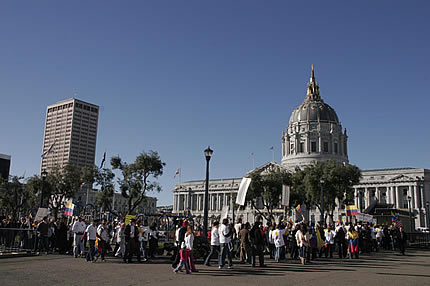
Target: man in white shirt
(329, 240)
(144, 237)
(78, 230)
(103, 235)
(91, 232)
(237, 228)
(225, 234)
(214, 243)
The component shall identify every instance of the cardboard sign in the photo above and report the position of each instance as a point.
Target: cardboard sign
(128, 218)
(41, 213)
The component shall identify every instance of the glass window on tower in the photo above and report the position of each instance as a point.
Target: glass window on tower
(326, 147)
(313, 146)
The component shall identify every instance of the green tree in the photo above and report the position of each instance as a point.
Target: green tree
(338, 180)
(104, 179)
(62, 185)
(267, 188)
(15, 199)
(139, 177)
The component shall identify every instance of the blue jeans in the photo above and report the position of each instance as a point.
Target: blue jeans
(225, 251)
(91, 250)
(143, 248)
(213, 249)
(279, 252)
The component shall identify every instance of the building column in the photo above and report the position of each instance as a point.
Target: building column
(378, 194)
(396, 197)
(366, 200)
(175, 202)
(355, 197)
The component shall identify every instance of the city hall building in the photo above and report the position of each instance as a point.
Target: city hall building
(314, 133)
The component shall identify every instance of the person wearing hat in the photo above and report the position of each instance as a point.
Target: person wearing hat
(131, 240)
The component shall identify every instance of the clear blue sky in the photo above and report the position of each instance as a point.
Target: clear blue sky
(177, 76)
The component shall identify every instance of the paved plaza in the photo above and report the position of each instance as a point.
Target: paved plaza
(377, 269)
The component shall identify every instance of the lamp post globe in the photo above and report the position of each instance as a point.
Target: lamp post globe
(208, 154)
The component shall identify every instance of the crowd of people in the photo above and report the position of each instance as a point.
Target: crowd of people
(242, 241)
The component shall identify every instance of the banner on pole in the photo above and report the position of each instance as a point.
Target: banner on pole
(285, 196)
(224, 212)
(243, 189)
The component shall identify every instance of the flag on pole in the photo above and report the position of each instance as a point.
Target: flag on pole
(396, 221)
(299, 208)
(103, 160)
(49, 150)
(178, 171)
(351, 210)
(69, 209)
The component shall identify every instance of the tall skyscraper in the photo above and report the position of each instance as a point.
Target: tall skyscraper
(4, 166)
(70, 134)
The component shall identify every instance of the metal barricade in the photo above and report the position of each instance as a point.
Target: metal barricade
(419, 240)
(18, 241)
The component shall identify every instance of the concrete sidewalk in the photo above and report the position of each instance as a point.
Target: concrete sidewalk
(384, 268)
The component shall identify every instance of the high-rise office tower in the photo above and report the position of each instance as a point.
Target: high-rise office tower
(70, 134)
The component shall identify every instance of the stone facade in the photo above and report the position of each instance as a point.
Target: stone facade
(394, 186)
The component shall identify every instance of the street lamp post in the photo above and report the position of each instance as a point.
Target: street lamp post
(44, 174)
(322, 201)
(427, 214)
(410, 214)
(208, 154)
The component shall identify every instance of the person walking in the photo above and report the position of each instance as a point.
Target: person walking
(245, 244)
(278, 239)
(225, 234)
(215, 244)
(340, 240)
(179, 237)
(257, 244)
(43, 229)
(131, 232)
(78, 230)
(91, 233)
(103, 236)
(401, 238)
(120, 239)
(301, 243)
(329, 240)
(353, 239)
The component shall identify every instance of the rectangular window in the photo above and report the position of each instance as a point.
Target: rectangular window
(335, 148)
(326, 147)
(302, 147)
(313, 146)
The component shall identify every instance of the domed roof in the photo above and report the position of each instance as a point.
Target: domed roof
(313, 108)
(314, 111)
